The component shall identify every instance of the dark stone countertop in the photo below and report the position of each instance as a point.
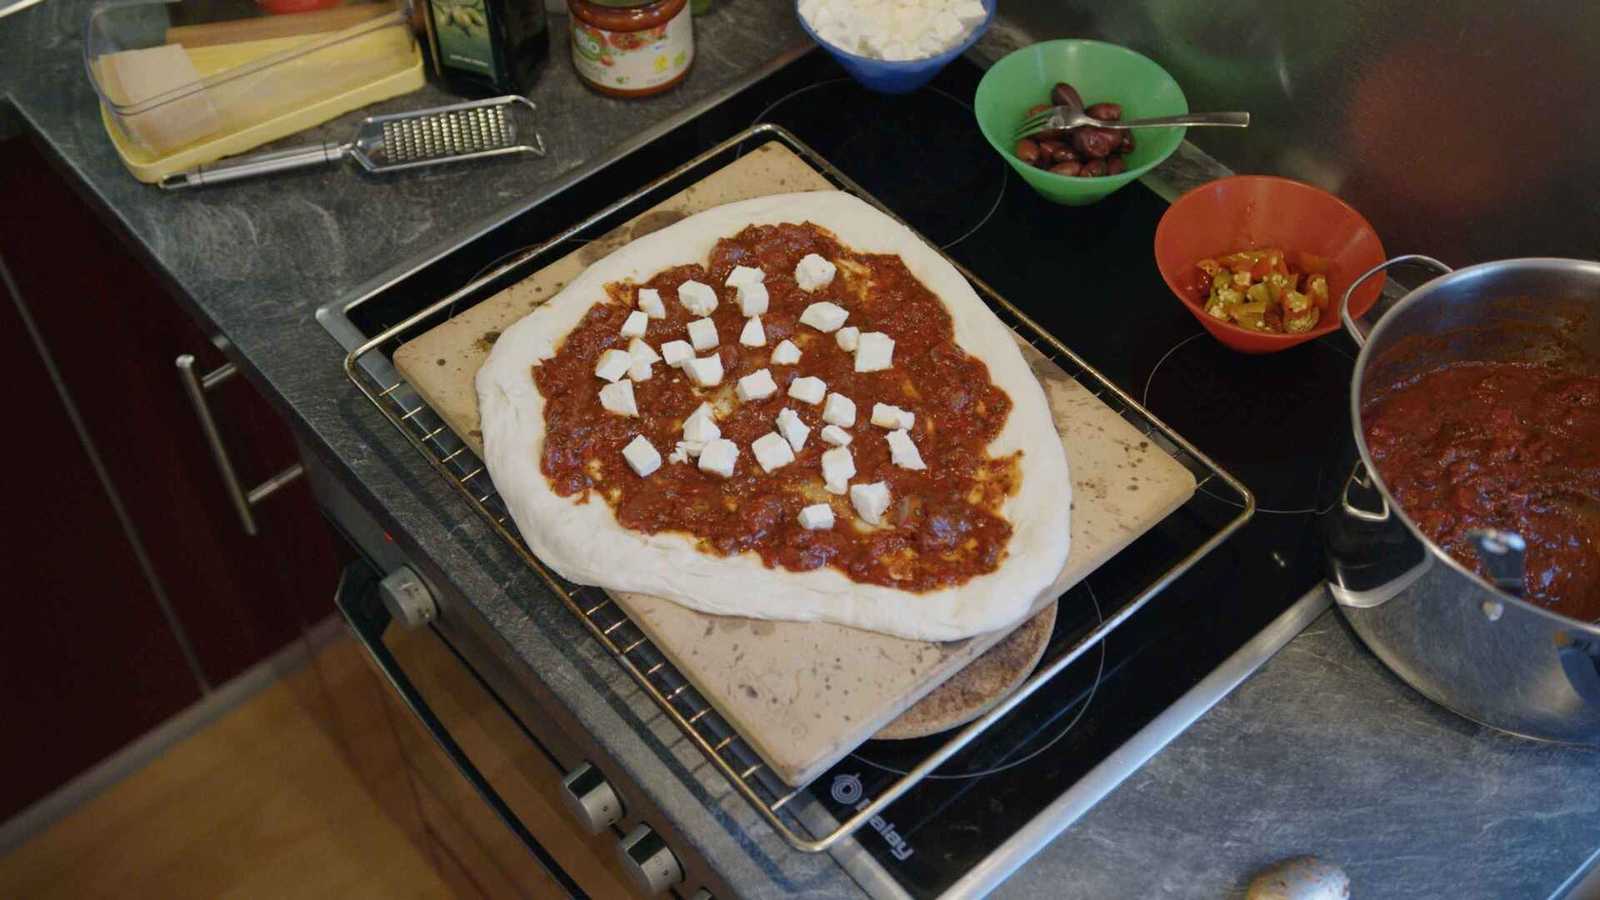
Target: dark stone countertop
(1322, 751)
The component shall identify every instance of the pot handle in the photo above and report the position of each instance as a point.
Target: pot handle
(1350, 325)
(1359, 476)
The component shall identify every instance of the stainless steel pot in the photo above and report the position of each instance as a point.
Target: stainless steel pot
(1452, 635)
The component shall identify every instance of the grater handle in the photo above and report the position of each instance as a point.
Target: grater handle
(257, 164)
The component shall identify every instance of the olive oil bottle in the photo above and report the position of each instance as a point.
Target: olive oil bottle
(483, 48)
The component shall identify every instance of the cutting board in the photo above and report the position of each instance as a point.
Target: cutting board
(805, 694)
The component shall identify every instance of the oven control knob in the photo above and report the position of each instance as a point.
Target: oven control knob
(590, 799)
(651, 866)
(408, 599)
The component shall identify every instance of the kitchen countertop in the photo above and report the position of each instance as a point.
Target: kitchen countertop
(1320, 751)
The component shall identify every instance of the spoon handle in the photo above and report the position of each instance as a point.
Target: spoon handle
(1222, 119)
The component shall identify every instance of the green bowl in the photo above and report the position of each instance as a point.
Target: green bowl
(1102, 73)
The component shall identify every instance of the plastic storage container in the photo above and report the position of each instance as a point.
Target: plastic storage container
(185, 83)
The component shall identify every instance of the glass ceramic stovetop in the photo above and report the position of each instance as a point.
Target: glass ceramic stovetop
(1087, 275)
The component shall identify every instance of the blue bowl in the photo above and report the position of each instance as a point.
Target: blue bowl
(902, 76)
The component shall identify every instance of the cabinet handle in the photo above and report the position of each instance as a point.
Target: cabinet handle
(196, 386)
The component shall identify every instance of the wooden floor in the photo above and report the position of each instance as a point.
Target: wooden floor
(261, 803)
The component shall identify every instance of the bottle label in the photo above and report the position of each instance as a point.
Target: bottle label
(462, 29)
(633, 60)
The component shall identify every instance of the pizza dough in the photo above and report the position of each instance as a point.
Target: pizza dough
(585, 543)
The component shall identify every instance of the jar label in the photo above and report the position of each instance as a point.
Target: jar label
(461, 28)
(633, 60)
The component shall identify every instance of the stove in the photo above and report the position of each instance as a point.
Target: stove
(1088, 276)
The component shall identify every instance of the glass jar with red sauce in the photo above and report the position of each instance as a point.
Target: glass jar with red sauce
(625, 48)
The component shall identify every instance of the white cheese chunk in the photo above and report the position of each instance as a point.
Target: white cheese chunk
(642, 456)
(618, 398)
(835, 435)
(824, 316)
(640, 350)
(676, 353)
(718, 457)
(753, 334)
(635, 325)
(745, 275)
(817, 517)
(753, 298)
(785, 354)
(838, 467)
(772, 451)
(846, 338)
(809, 389)
(703, 334)
(704, 371)
(886, 416)
(903, 452)
(814, 273)
(640, 370)
(700, 427)
(699, 299)
(839, 410)
(680, 453)
(612, 365)
(870, 500)
(758, 385)
(650, 302)
(874, 351)
(793, 430)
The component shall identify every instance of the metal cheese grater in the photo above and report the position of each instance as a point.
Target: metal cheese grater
(424, 137)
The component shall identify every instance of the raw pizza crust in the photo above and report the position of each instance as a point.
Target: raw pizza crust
(585, 543)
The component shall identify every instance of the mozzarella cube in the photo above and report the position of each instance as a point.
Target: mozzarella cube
(902, 452)
(752, 298)
(718, 457)
(846, 338)
(639, 350)
(676, 353)
(839, 410)
(785, 354)
(874, 351)
(704, 371)
(650, 302)
(814, 273)
(824, 316)
(809, 389)
(642, 457)
(835, 435)
(838, 467)
(699, 299)
(618, 398)
(640, 370)
(870, 500)
(612, 365)
(886, 416)
(700, 428)
(817, 517)
(793, 430)
(758, 385)
(753, 334)
(703, 334)
(772, 451)
(635, 325)
(745, 275)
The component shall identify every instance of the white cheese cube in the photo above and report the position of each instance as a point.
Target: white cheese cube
(752, 298)
(640, 370)
(846, 338)
(839, 410)
(699, 299)
(824, 316)
(704, 371)
(650, 302)
(809, 389)
(718, 457)
(753, 334)
(639, 350)
(817, 517)
(835, 435)
(612, 365)
(745, 275)
(676, 353)
(814, 273)
(874, 351)
(870, 500)
(771, 451)
(838, 467)
(903, 452)
(680, 453)
(785, 354)
(700, 428)
(618, 398)
(642, 457)
(886, 416)
(793, 430)
(705, 409)
(758, 385)
(703, 334)
(635, 325)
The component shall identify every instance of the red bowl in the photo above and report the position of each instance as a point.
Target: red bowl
(1247, 212)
